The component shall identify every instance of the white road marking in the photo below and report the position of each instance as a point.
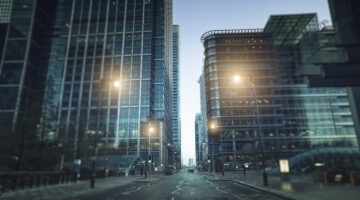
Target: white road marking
(178, 187)
(131, 191)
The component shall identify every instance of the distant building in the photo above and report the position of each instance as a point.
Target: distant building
(199, 154)
(204, 160)
(191, 162)
(270, 113)
(176, 140)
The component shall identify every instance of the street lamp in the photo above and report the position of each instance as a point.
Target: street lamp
(214, 126)
(237, 79)
(93, 160)
(151, 129)
(115, 84)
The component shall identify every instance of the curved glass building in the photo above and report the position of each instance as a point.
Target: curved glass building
(259, 109)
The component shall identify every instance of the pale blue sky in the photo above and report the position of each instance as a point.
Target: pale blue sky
(195, 17)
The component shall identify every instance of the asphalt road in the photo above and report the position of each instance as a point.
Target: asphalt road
(181, 186)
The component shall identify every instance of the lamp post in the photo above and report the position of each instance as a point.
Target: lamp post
(237, 79)
(214, 126)
(149, 150)
(116, 84)
(93, 162)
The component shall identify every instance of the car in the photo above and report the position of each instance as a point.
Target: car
(191, 170)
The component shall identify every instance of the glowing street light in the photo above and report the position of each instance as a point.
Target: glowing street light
(214, 126)
(238, 79)
(151, 129)
(116, 84)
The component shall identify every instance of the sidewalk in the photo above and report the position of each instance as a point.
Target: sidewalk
(73, 189)
(299, 187)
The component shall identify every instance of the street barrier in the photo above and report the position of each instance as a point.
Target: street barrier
(13, 181)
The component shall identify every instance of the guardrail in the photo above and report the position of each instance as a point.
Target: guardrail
(13, 181)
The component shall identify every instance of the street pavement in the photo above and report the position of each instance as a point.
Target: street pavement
(298, 187)
(72, 190)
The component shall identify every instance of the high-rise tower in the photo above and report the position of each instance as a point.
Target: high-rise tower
(65, 55)
(176, 139)
(129, 41)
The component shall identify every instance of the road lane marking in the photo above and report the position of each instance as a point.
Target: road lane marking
(178, 187)
(131, 191)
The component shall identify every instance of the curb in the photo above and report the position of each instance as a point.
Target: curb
(267, 190)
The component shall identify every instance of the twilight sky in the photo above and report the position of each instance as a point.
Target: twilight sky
(195, 17)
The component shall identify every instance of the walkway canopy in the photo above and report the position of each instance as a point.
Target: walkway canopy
(122, 164)
(337, 159)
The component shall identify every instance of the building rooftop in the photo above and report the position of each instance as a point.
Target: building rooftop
(287, 29)
(230, 31)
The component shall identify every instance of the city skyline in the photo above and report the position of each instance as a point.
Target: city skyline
(192, 25)
(197, 17)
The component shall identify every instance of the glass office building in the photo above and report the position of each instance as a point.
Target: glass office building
(25, 33)
(259, 110)
(60, 60)
(336, 62)
(104, 41)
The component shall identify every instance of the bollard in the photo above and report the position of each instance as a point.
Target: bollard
(47, 180)
(61, 180)
(325, 178)
(353, 179)
(30, 182)
(106, 172)
(23, 182)
(17, 183)
(26, 182)
(265, 179)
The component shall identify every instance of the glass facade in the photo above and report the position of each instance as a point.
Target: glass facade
(198, 139)
(25, 41)
(270, 114)
(5, 11)
(102, 41)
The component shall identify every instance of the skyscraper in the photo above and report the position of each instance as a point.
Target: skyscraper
(78, 49)
(25, 36)
(198, 139)
(259, 110)
(126, 41)
(176, 140)
(25, 33)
